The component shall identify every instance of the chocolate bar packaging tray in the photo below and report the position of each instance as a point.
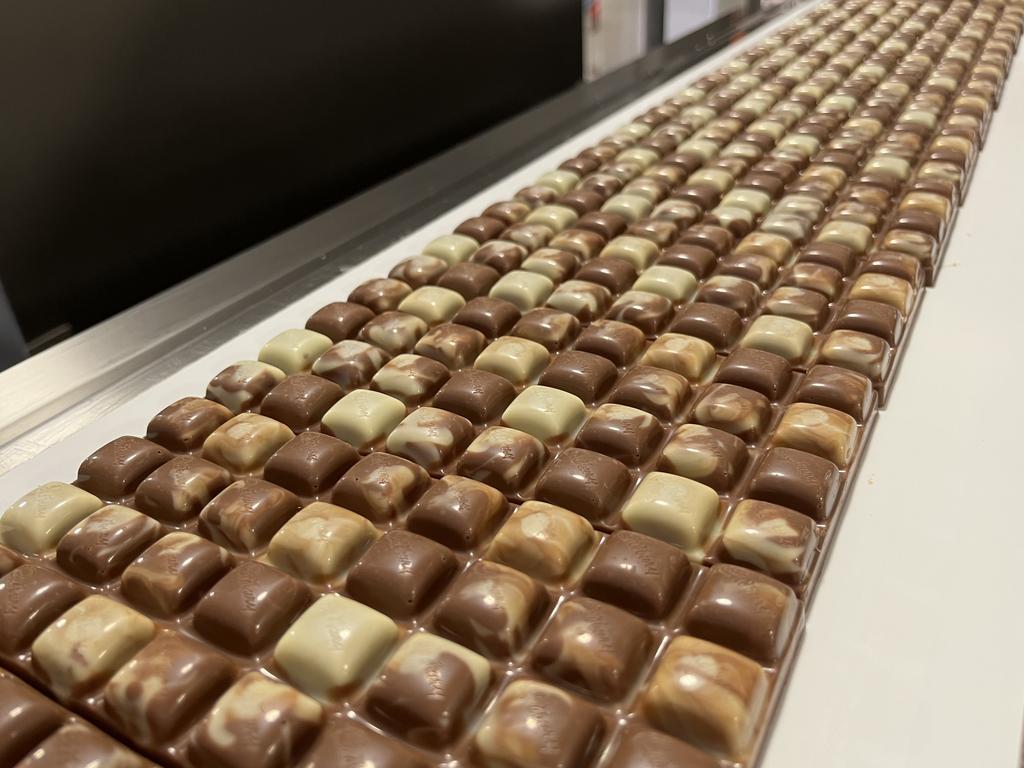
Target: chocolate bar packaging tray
(559, 489)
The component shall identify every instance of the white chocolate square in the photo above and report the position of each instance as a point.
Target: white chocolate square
(88, 644)
(548, 414)
(554, 217)
(37, 521)
(522, 288)
(633, 131)
(886, 289)
(638, 251)
(784, 336)
(673, 283)
(543, 541)
(820, 430)
(320, 542)
(518, 360)
(889, 165)
(334, 646)
(561, 181)
(719, 180)
(641, 156)
(674, 509)
(754, 200)
(686, 355)
(432, 304)
(363, 417)
(451, 248)
(852, 234)
(630, 207)
(244, 443)
(294, 350)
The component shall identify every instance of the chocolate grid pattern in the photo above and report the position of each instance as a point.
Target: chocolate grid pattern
(844, 21)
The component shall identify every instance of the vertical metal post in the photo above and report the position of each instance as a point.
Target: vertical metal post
(655, 24)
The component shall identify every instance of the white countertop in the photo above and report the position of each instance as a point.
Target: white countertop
(914, 647)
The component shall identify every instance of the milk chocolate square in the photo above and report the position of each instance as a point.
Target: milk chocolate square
(349, 364)
(755, 369)
(380, 487)
(770, 538)
(503, 458)
(320, 542)
(593, 647)
(186, 423)
(345, 742)
(693, 258)
(585, 482)
(246, 514)
(244, 443)
(242, 386)
(301, 400)
(637, 573)
(492, 317)
(26, 719)
(838, 388)
(249, 608)
(31, 598)
(500, 255)
(624, 433)
(585, 375)
(644, 748)
(257, 723)
(430, 437)
(458, 512)
(492, 609)
(871, 317)
(736, 293)
(310, 464)
(619, 342)
(164, 687)
(339, 320)
(615, 275)
(100, 546)
(798, 480)
(546, 542)
(715, 324)
(479, 396)
(116, 469)
(534, 725)
(179, 489)
(173, 573)
(401, 574)
(469, 280)
(550, 328)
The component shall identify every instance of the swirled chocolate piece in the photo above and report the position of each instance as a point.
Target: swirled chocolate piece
(754, 267)
(242, 386)
(709, 456)
(469, 279)
(380, 294)
(682, 213)
(798, 480)
(624, 433)
(771, 539)
(416, 271)
(172, 574)
(301, 400)
(860, 352)
(837, 388)
(454, 346)
(510, 211)
(78, 744)
(871, 317)
(884, 289)
(503, 458)
(585, 243)
(320, 542)
(651, 749)
(801, 304)
(31, 598)
(550, 328)
(530, 236)
(896, 264)
(349, 364)
(661, 232)
(647, 311)
(401, 573)
(581, 299)
(185, 424)
(492, 609)
(585, 375)
(246, 514)
(744, 610)
(736, 410)
(394, 332)
(164, 687)
(637, 573)
(620, 343)
(179, 489)
(244, 443)
(429, 690)
(116, 469)
(9, 560)
(339, 320)
(481, 228)
(585, 482)
(518, 360)
(534, 725)
(249, 608)
(26, 719)
(430, 437)
(716, 324)
(500, 255)
(257, 723)
(755, 369)
(98, 548)
(735, 293)
(706, 695)
(656, 391)
(88, 644)
(345, 742)
(492, 317)
(607, 225)
(363, 418)
(546, 542)
(380, 487)
(820, 430)
(686, 355)
(335, 645)
(458, 512)
(310, 464)
(593, 647)
(36, 521)
(410, 378)
(557, 266)
(536, 195)
(816, 277)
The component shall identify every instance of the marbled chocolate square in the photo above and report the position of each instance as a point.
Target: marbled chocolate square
(686, 355)
(173, 573)
(546, 542)
(552, 329)
(100, 546)
(771, 539)
(394, 332)
(655, 391)
(245, 515)
(36, 521)
(412, 379)
(116, 469)
(179, 489)
(185, 424)
(350, 364)
(506, 459)
(820, 430)
(320, 542)
(624, 433)
(242, 386)
(454, 346)
(736, 410)
(244, 443)
(31, 598)
(380, 487)
(430, 437)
